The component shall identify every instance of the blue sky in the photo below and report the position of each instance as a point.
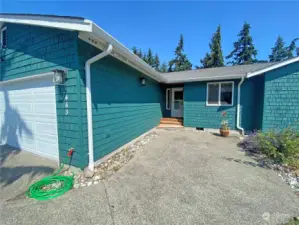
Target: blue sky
(158, 24)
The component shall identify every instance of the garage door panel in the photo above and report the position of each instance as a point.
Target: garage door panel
(25, 129)
(21, 108)
(45, 108)
(28, 115)
(45, 97)
(46, 128)
(26, 143)
(51, 139)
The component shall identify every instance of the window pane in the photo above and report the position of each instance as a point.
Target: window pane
(213, 94)
(226, 93)
(178, 95)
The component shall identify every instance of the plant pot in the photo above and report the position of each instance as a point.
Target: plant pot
(224, 133)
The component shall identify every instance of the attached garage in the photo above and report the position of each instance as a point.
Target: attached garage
(28, 118)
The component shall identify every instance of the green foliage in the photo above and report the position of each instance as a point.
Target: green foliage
(139, 54)
(279, 52)
(135, 51)
(150, 58)
(163, 68)
(282, 146)
(293, 221)
(156, 63)
(290, 49)
(244, 51)
(215, 57)
(180, 62)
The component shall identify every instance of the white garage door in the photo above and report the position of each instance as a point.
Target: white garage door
(28, 116)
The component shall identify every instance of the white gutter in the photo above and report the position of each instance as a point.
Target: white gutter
(89, 104)
(238, 106)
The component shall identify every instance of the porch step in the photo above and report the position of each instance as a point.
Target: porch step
(177, 121)
(170, 126)
(171, 122)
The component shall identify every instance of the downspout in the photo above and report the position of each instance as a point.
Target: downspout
(238, 106)
(89, 105)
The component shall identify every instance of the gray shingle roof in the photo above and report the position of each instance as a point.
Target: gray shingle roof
(218, 73)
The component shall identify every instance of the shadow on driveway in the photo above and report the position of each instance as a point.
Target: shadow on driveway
(19, 169)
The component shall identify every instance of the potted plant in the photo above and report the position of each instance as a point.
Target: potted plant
(224, 129)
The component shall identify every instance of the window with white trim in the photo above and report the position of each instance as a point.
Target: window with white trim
(220, 94)
(3, 37)
(168, 99)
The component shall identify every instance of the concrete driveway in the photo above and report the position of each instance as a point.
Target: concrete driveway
(181, 177)
(18, 169)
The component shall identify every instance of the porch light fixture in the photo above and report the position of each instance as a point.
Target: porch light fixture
(59, 77)
(142, 81)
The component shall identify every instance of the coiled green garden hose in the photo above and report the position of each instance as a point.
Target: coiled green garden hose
(51, 187)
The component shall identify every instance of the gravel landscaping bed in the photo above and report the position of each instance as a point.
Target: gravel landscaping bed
(112, 164)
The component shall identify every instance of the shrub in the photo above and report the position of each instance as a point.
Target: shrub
(282, 146)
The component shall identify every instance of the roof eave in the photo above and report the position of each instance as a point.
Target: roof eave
(125, 55)
(89, 27)
(273, 67)
(47, 21)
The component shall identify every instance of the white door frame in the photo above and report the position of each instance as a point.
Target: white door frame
(176, 113)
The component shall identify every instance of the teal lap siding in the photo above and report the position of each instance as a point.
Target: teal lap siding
(251, 107)
(122, 108)
(281, 104)
(198, 114)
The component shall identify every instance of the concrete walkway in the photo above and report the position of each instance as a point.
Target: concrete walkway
(181, 177)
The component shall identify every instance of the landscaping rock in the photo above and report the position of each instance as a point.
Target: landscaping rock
(107, 168)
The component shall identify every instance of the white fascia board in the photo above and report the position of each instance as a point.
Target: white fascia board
(273, 67)
(43, 21)
(216, 78)
(120, 49)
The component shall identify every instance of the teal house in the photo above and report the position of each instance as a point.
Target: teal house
(67, 84)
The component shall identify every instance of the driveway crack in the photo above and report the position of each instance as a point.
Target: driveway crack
(108, 202)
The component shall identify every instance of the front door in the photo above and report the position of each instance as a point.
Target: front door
(177, 106)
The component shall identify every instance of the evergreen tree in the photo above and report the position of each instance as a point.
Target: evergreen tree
(206, 61)
(290, 49)
(135, 51)
(180, 62)
(156, 63)
(244, 51)
(163, 68)
(150, 58)
(279, 52)
(144, 57)
(139, 53)
(215, 57)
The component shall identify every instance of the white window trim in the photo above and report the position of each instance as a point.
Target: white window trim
(219, 94)
(1, 36)
(167, 106)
